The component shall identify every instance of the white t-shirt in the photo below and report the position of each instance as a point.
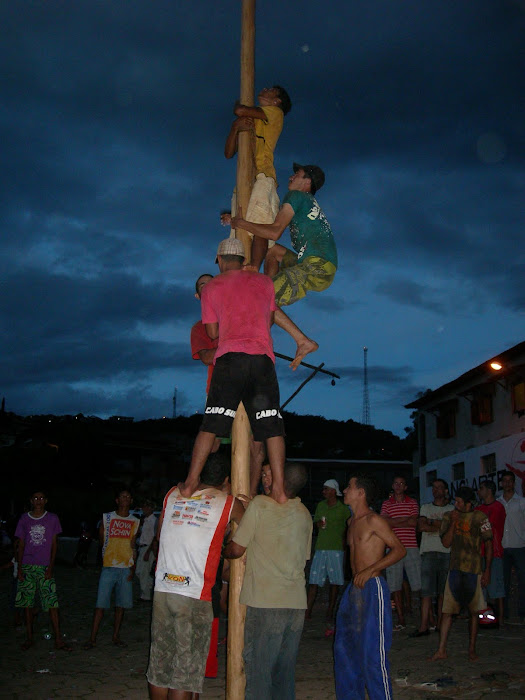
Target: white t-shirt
(431, 541)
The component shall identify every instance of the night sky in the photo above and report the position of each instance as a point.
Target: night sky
(113, 121)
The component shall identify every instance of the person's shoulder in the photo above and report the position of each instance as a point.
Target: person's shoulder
(273, 113)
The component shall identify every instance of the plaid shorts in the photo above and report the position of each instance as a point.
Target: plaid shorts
(35, 580)
(412, 565)
(327, 564)
(180, 641)
(295, 278)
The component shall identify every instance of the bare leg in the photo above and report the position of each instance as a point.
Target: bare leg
(97, 619)
(201, 450)
(499, 601)
(334, 590)
(55, 623)
(439, 611)
(425, 612)
(157, 693)
(273, 257)
(276, 456)
(305, 345)
(473, 634)
(398, 600)
(256, 462)
(446, 622)
(259, 249)
(312, 595)
(119, 614)
(29, 628)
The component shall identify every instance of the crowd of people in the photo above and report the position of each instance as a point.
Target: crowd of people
(463, 554)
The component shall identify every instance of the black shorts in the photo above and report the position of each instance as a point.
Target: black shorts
(248, 378)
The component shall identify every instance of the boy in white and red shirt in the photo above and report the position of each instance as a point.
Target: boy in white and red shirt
(117, 535)
(401, 513)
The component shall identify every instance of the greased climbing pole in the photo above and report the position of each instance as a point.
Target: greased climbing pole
(235, 678)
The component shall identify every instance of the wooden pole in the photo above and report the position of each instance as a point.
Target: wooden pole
(235, 678)
(245, 143)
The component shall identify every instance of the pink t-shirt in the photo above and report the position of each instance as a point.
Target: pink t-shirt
(241, 302)
(38, 534)
(402, 509)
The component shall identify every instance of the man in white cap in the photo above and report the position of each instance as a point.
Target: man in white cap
(330, 520)
(238, 308)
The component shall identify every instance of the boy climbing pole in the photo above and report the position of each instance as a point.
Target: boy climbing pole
(266, 123)
(313, 266)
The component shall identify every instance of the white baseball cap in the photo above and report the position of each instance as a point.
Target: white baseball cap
(332, 484)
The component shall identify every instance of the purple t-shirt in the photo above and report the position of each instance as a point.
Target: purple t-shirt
(38, 534)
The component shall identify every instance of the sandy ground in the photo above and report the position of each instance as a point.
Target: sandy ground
(108, 672)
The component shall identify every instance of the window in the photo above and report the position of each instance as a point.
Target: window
(431, 477)
(458, 471)
(488, 463)
(518, 398)
(481, 405)
(446, 419)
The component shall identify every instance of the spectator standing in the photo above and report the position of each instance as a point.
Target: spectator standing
(463, 530)
(37, 533)
(495, 512)
(145, 547)
(117, 534)
(435, 557)
(401, 513)
(330, 520)
(513, 540)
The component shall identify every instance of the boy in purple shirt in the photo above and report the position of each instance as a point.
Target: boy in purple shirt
(37, 531)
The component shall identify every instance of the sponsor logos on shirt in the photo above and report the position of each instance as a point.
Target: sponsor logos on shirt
(120, 528)
(176, 579)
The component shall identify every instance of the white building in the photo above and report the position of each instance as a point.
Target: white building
(473, 428)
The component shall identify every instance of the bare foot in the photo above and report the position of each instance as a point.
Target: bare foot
(278, 495)
(186, 488)
(27, 644)
(303, 349)
(438, 655)
(62, 646)
(472, 656)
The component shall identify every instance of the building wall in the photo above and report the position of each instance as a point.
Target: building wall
(480, 463)
(505, 423)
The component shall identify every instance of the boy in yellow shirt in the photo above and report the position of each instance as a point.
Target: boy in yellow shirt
(266, 123)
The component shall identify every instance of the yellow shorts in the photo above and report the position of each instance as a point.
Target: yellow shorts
(295, 279)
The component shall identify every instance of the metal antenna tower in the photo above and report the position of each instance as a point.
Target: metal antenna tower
(174, 403)
(366, 399)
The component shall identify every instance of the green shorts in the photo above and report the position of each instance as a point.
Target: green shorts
(295, 278)
(180, 641)
(35, 580)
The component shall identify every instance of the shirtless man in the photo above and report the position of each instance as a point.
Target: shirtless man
(364, 620)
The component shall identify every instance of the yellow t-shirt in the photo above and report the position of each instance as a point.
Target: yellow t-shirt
(118, 534)
(267, 132)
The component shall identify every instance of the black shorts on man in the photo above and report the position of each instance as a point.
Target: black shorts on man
(248, 378)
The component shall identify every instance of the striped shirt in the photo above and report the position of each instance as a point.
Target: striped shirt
(402, 509)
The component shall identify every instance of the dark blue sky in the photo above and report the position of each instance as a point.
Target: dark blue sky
(113, 123)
